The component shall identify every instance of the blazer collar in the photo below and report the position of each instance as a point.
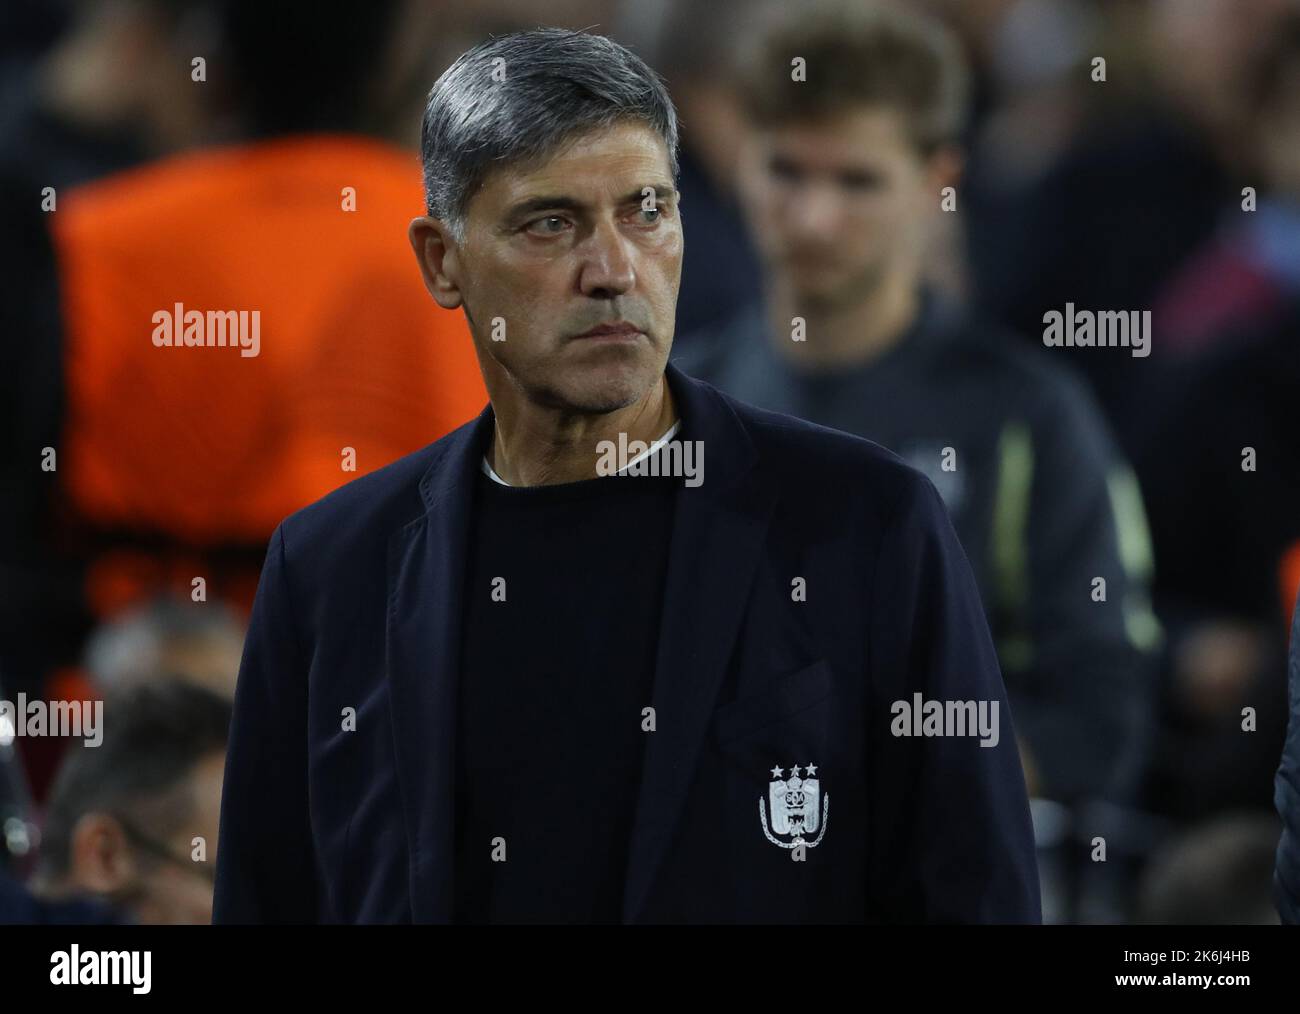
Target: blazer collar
(718, 531)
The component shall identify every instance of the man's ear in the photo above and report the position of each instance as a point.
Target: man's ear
(100, 861)
(436, 253)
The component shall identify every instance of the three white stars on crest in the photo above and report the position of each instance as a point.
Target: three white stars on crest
(794, 771)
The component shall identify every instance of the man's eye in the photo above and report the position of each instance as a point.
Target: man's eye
(861, 180)
(550, 225)
(786, 172)
(654, 214)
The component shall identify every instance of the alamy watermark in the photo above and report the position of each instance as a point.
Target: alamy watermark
(83, 719)
(182, 328)
(919, 717)
(75, 967)
(1130, 329)
(681, 458)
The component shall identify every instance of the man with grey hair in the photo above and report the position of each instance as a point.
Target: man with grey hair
(498, 681)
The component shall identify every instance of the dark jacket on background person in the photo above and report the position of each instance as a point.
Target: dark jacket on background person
(720, 269)
(19, 907)
(360, 607)
(1040, 499)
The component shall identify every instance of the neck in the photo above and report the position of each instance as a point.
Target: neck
(844, 334)
(535, 445)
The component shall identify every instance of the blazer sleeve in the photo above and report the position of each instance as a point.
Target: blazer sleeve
(1286, 796)
(953, 842)
(265, 859)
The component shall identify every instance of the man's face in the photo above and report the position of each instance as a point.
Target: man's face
(154, 876)
(551, 251)
(836, 204)
(181, 892)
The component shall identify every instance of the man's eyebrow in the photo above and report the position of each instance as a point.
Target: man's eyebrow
(662, 192)
(544, 203)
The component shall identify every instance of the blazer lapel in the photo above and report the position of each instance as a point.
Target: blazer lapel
(426, 567)
(718, 532)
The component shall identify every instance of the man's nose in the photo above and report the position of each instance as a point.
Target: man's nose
(815, 210)
(609, 267)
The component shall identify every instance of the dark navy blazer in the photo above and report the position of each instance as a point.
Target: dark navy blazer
(359, 607)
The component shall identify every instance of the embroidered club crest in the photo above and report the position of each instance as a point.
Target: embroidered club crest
(799, 808)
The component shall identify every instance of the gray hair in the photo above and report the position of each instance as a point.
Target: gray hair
(517, 98)
(131, 647)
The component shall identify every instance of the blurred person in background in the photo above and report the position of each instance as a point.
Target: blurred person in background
(102, 97)
(842, 176)
(1097, 191)
(197, 642)
(1218, 873)
(1222, 477)
(1286, 794)
(19, 835)
(133, 822)
(136, 468)
(1220, 466)
(1247, 276)
(720, 272)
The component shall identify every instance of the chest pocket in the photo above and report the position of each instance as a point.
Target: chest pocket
(789, 713)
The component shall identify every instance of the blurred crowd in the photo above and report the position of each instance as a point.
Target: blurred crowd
(233, 154)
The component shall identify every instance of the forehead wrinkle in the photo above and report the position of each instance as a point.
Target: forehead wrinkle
(567, 199)
(635, 146)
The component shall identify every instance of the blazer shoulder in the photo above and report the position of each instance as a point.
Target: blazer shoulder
(798, 451)
(372, 505)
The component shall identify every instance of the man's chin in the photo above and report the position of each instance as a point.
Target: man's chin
(825, 294)
(598, 388)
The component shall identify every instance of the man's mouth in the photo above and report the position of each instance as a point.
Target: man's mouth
(615, 331)
(812, 260)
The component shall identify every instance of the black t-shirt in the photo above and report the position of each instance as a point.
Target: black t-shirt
(553, 683)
